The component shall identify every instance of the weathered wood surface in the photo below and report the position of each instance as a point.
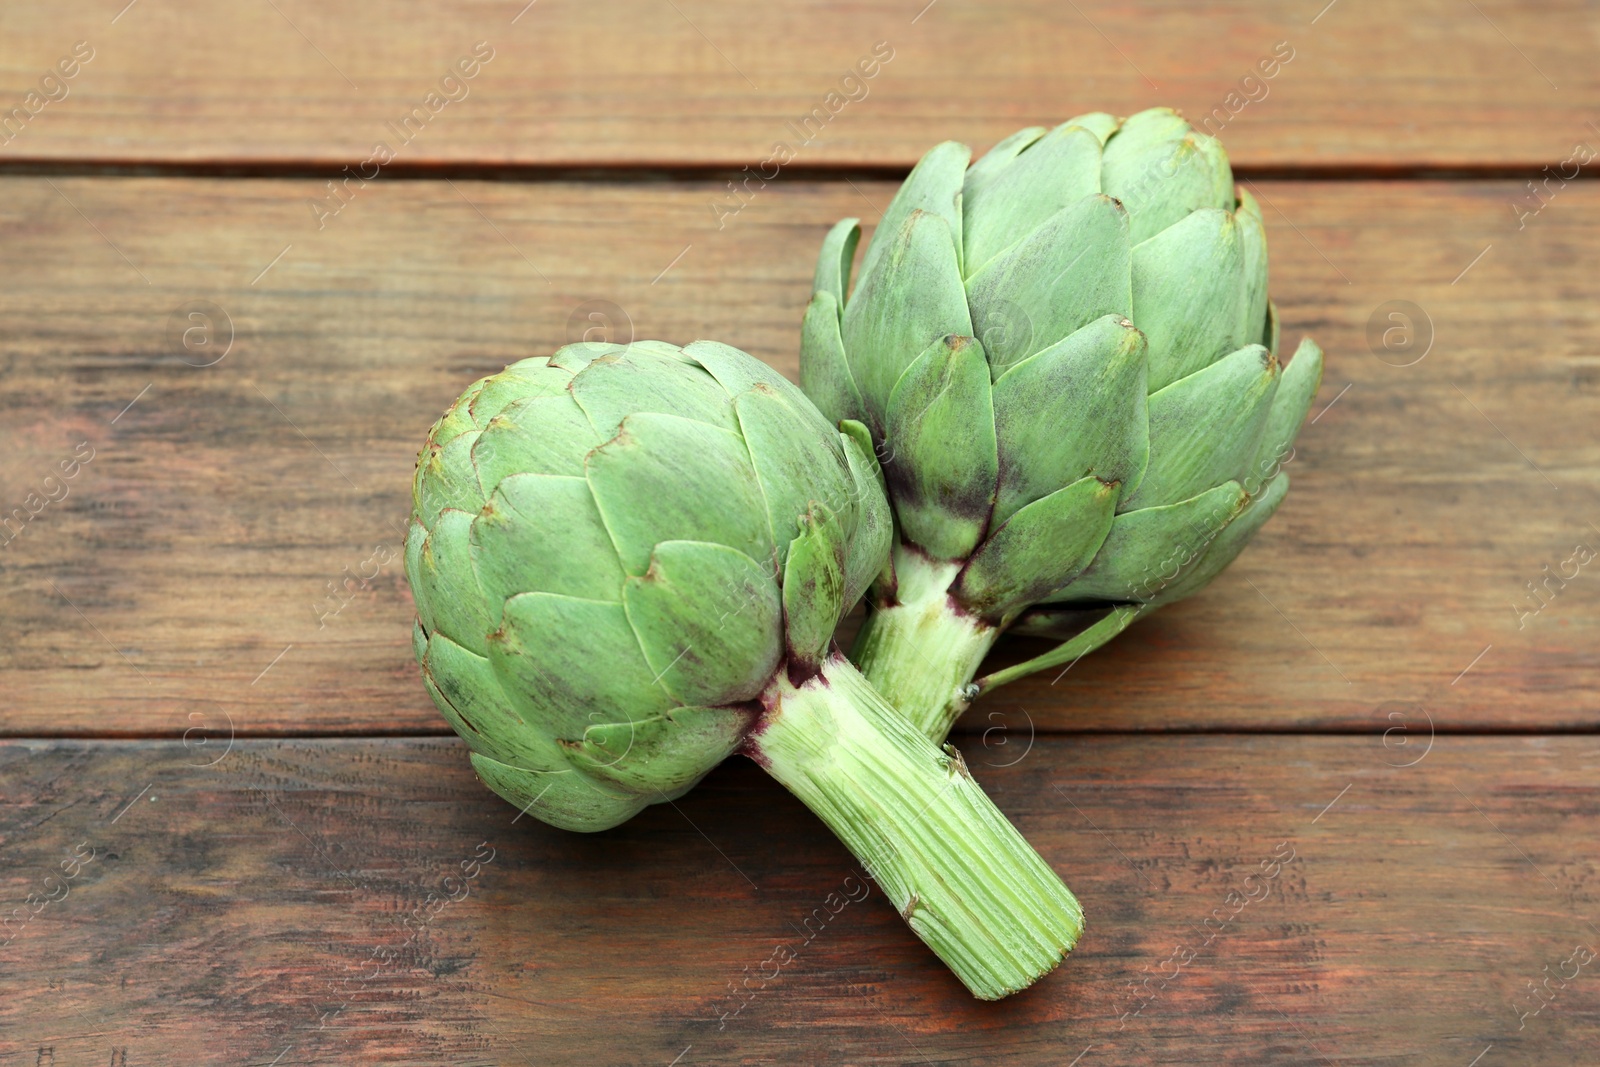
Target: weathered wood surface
(165, 590)
(718, 82)
(211, 394)
(274, 907)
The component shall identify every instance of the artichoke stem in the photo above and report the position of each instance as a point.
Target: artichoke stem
(958, 872)
(922, 652)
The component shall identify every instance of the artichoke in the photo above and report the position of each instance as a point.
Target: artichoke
(1065, 356)
(628, 564)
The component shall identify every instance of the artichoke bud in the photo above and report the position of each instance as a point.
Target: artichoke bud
(1114, 281)
(600, 641)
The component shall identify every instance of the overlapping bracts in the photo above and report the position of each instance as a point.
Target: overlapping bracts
(1068, 361)
(613, 549)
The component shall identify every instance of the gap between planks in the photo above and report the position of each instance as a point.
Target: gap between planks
(646, 171)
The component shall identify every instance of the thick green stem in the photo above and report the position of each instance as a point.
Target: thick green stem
(923, 658)
(921, 652)
(960, 875)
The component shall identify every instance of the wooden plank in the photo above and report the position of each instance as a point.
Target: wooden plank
(183, 580)
(1256, 900)
(718, 82)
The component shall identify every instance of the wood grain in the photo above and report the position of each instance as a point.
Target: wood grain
(212, 388)
(717, 82)
(276, 905)
(182, 582)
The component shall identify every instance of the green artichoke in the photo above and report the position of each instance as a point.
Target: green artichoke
(628, 564)
(1066, 358)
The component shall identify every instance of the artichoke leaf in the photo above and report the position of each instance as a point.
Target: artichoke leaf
(908, 297)
(1059, 169)
(933, 187)
(458, 420)
(939, 449)
(993, 163)
(715, 496)
(1227, 545)
(538, 376)
(1155, 159)
(464, 687)
(738, 373)
(1188, 294)
(1079, 645)
(1296, 390)
(538, 435)
(834, 261)
(568, 799)
(709, 620)
(662, 349)
(1070, 271)
(416, 538)
(612, 388)
(1075, 409)
(1151, 128)
(542, 534)
(1204, 430)
(444, 572)
(1039, 549)
(871, 530)
(446, 478)
(1056, 621)
(1099, 123)
(659, 757)
(1147, 550)
(419, 638)
(578, 355)
(814, 587)
(824, 368)
(567, 663)
(1253, 273)
(798, 460)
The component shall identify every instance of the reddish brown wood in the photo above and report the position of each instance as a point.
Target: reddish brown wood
(198, 544)
(240, 912)
(268, 901)
(1502, 82)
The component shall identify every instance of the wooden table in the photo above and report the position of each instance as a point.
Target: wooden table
(236, 828)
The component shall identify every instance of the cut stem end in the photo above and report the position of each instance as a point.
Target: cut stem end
(959, 873)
